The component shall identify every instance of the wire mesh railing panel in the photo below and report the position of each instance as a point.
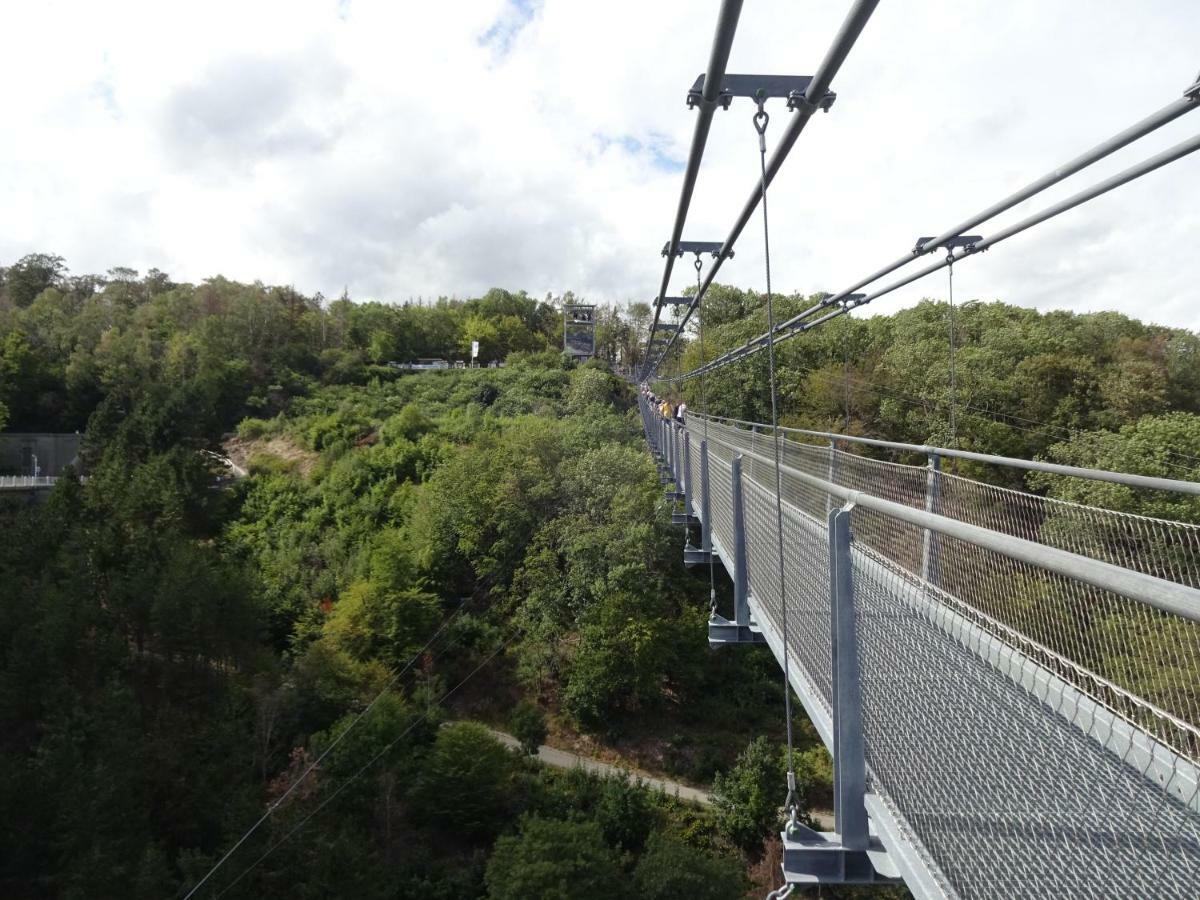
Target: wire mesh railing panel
(693, 477)
(806, 570)
(1126, 655)
(1158, 547)
(982, 757)
(1134, 659)
(720, 484)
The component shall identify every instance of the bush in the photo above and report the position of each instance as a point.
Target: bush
(466, 782)
(528, 724)
(625, 813)
(748, 796)
(252, 429)
(669, 870)
(554, 860)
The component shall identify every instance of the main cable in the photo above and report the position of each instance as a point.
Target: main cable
(313, 765)
(761, 119)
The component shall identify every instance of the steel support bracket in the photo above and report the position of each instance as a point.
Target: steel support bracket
(966, 241)
(674, 497)
(695, 556)
(818, 857)
(683, 518)
(722, 632)
(675, 301)
(793, 87)
(716, 248)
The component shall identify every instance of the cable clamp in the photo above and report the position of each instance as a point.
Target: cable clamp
(1193, 93)
(798, 99)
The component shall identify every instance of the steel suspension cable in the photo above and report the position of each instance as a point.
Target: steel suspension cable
(795, 325)
(953, 385)
(712, 578)
(313, 765)
(761, 120)
(848, 33)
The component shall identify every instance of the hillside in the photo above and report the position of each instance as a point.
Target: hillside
(431, 551)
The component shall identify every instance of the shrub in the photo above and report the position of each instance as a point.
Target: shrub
(528, 725)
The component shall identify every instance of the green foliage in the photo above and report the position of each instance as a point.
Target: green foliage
(554, 860)
(1165, 446)
(748, 796)
(670, 869)
(528, 724)
(191, 649)
(625, 813)
(466, 784)
(32, 274)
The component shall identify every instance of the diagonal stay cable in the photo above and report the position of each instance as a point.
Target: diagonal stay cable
(795, 326)
(303, 775)
(1188, 102)
(761, 119)
(374, 759)
(712, 577)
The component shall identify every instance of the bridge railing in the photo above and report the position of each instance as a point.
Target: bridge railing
(26, 482)
(1028, 711)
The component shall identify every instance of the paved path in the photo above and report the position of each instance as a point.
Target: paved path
(563, 759)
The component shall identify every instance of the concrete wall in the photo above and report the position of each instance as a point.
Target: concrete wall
(54, 453)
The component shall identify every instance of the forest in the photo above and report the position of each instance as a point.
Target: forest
(414, 561)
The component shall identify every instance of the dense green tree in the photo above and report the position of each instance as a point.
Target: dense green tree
(466, 783)
(748, 796)
(32, 274)
(670, 869)
(528, 724)
(554, 860)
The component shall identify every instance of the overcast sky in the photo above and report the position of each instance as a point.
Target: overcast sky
(406, 149)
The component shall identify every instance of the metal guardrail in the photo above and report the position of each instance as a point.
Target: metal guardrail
(1031, 465)
(26, 482)
(1028, 686)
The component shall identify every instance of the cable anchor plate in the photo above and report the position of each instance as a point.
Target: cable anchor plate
(792, 87)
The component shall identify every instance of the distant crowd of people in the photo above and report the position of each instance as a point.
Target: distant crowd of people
(664, 406)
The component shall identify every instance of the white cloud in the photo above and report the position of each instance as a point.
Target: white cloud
(405, 149)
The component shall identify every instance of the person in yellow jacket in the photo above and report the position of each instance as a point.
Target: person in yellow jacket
(665, 409)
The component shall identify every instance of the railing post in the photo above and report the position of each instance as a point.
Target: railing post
(832, 473)
(705, 512)
(741, 581)
(678, 467)
(849, 760)
(674, 448)
(685, 478)
(933, 504)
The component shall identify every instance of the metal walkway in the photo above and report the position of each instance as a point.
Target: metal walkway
(1017, 682)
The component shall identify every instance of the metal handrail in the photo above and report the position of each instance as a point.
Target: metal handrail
(1033, 465)
(1168, 596)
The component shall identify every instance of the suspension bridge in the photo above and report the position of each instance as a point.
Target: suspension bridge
(1007, 683)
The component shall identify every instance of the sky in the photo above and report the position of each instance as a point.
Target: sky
(401, 150)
